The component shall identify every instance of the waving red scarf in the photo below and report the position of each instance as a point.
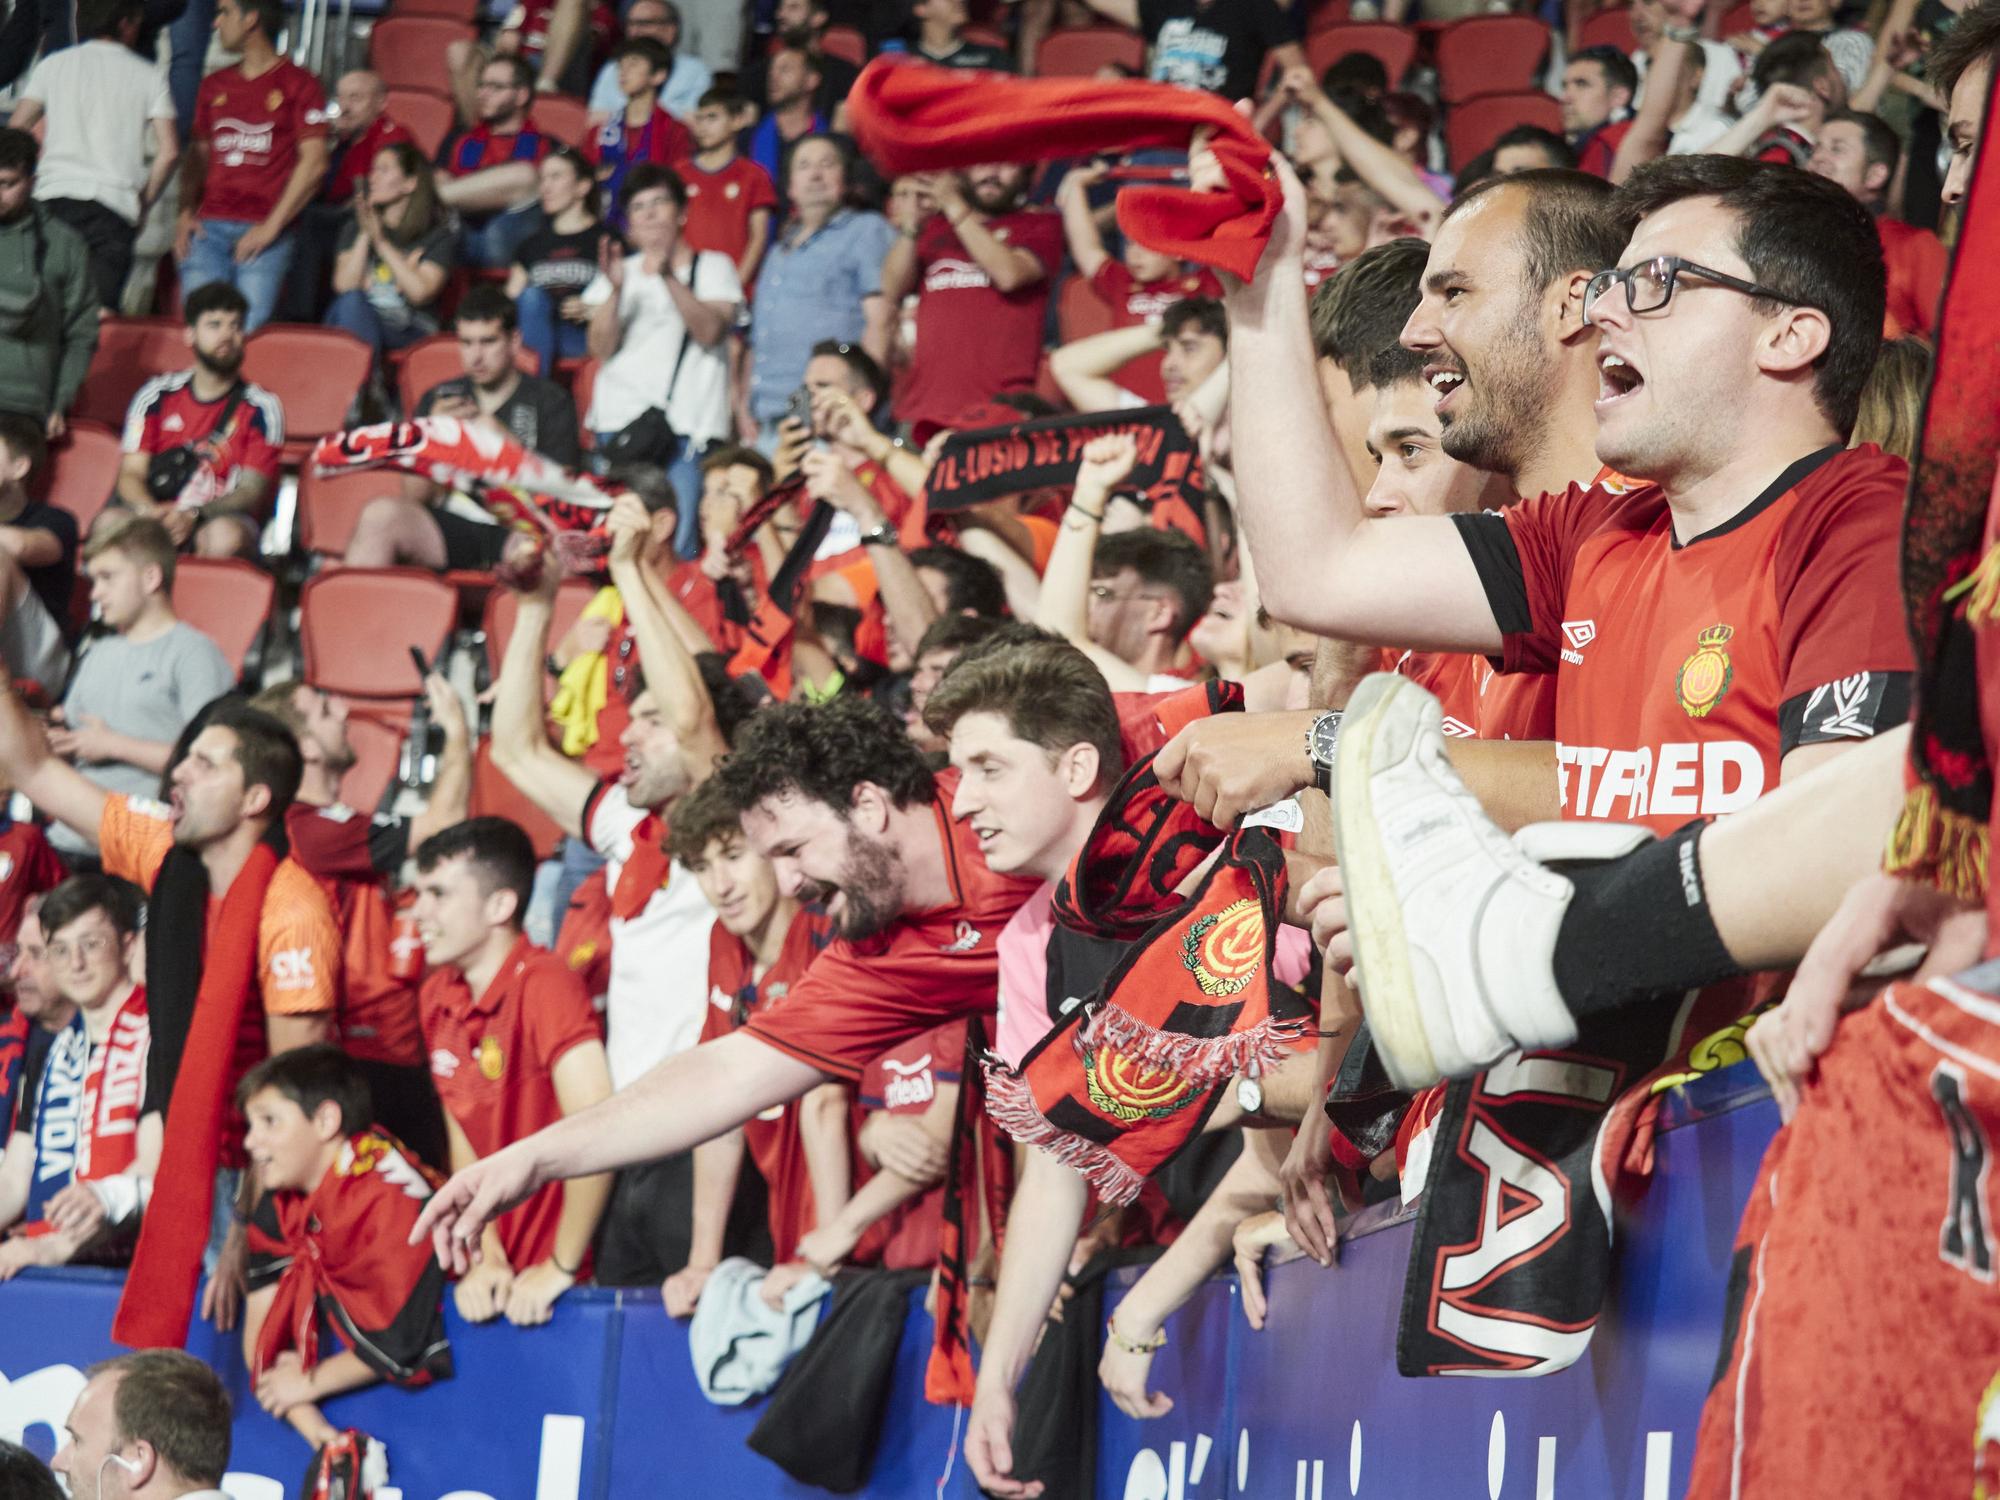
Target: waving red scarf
(910, 118)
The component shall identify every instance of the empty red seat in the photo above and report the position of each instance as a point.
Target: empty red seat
(130, 352)
(1609, 28)
(378, 748)
(357, 626)
(314, 372)
(448, 10)
(494, 796)
(82, 472)
(1079, 51)
(502, 605)
(409, 51)
(426, 115)
(1490, 55)
(227, 600)
(328, 508)
(1394, 46)
(563, 118)
(845, 43)
(1475, 124)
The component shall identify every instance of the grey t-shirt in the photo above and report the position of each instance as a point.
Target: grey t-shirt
(148, 691)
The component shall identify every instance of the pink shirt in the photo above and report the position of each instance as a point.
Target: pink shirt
(1023, 950)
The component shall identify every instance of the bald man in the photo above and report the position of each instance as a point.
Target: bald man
(361, 127)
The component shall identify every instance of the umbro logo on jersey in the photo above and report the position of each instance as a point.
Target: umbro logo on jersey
(1578, 633)
(719, 997)
(1458, 729)
(965, 937)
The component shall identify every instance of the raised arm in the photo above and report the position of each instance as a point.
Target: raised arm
(33, 770)
(1084, 368)
(556, 784)
(1065, 599)
(1381, 166)
(905, 600)
(671, 672)
(1086, 240)
(1322, 564)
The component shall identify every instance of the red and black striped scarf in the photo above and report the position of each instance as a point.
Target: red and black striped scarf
(1951, 567)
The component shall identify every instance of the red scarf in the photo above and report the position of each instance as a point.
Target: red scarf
(917, 119)
(350, 1257)
(645, 870)
(160, 1291)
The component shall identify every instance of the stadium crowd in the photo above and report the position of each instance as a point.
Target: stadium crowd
(1053, 722)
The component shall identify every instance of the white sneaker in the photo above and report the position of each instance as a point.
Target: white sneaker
(1454, 927)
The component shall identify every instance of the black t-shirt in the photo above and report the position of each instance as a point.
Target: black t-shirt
(539, 414)
(563, 264)
(1218, 45)
(969, 55)
(52, 583)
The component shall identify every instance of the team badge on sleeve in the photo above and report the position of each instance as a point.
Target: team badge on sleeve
(1705, 676)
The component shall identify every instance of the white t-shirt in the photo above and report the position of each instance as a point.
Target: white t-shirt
(658, 994)
(651, 333)
(100, 100)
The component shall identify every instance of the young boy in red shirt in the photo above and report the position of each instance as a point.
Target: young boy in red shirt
(514, 1046)
(642, 131)
(730, 199)
(760, 944)
(329, 1242)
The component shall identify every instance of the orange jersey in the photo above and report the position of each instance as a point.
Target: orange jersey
(298, 941)
(1686, 671)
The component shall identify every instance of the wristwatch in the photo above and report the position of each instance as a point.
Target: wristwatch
(882, 536)
(1322, 738)
(1249, 1096)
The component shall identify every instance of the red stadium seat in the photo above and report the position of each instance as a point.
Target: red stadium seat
(329, 507)
(564, 118)
(82, 471)
(1080, 312)
(227, 600)
(435, 360)
(1609, 28)
(314, 372)
(357, 625)
(1490, 55)
(1473, 126)
(1079, 51)
(378, 747)
(427, 116)
(409, 51)
(845, 43)
(130, 352)
(988, 36)
(1737, 20)
(502, 605)
(1395, 46)
(1325, 13)
(494, 796)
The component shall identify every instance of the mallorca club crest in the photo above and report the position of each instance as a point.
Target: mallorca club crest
(1224, 949)
(1705, 676)
(492, 1062)
(1131, 1091)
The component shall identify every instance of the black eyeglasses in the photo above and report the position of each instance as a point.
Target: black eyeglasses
(1649, 286)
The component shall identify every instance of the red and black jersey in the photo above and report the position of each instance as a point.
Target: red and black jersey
(1686, 671)
(736, 992)
(905, 1081)
(341, 1255)
(167, 414)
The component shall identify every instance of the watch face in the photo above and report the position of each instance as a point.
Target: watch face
(1323, 734)
(1250, 1096)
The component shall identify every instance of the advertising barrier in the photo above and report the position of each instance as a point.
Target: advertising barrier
(601, 1404)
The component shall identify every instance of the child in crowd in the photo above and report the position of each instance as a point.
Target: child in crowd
(731, 199)
(329, 1242)
(1138, 286)
(643, 131)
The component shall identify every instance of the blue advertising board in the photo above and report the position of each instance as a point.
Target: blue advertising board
(602, 1402)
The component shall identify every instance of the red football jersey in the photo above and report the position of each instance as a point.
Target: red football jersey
(863, 997)
(735, 994)
(252, 128)
(1133, 302)
(720, 203)
(379, 966)
(973, 340)
(28, 866)
(1686, 671)
(904, 1081)
(358, 156)
(1915, 260)
(493, 1055)
(167, 414)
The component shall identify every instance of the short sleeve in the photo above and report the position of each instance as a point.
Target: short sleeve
(338, 843)
(558, 1016)
(201, 673)
(309, 108)
(441, 247)
(1042, 237)
(758, 189)
(609, 821)
(262, 435)
(298, 946)
(715, 278)
(1845, 652)
(37, 86)
(133, 837)
(873, 240)
(1112, 282)
(204, 115)
(1524, 558)
(139, 436)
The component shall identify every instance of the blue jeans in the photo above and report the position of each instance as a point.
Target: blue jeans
(490, 244)
(576, 862)
(353, 312)
(545, 333)
(212, 257)
(188, 36)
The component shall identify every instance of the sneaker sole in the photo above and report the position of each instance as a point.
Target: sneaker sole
(1390, 711)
